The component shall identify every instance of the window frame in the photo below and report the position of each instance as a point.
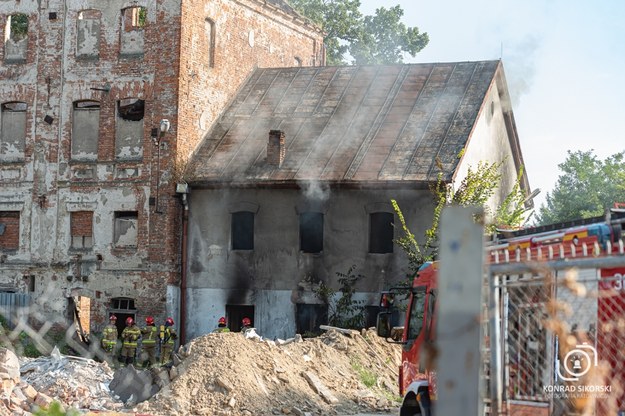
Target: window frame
(238, 226)
(378, 232)
(311, 240)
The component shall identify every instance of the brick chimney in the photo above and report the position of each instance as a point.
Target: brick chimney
(275, 148)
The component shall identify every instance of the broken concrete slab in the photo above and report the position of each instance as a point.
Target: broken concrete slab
(132, 385)
(319, 387)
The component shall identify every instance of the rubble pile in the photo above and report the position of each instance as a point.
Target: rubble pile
(18, 397)
(74, 381)
(341, 371)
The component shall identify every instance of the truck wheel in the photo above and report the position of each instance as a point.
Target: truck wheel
(414, 407)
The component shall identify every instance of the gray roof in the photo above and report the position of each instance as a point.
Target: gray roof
(347, 124)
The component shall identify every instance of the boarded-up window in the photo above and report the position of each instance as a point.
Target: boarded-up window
(9, 230)
(129, 129)
(12, 131)
(125, 229)
(242, 230)
(134, 20)
(16, 38)
(311, 232)
(381, 232)
(85, 130)
(88, 34)
(209, 26)
(81, 224)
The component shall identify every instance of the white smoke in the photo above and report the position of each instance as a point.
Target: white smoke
(315, 191)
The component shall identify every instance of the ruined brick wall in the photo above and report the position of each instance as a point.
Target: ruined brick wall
(84, 55)
(77, 51)
(222, 42)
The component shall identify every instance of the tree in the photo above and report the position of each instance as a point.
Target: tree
(19, 26)
(378, 39)
(586, 188)
(475, 189)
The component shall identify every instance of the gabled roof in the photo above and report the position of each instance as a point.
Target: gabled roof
(347, 124)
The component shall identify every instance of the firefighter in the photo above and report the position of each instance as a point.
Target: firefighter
(149, 336)
(109, 337)
(130, 336)
(221, 325)
(246, 324)
(167, 338)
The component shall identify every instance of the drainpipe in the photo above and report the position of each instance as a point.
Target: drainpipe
(183, 272)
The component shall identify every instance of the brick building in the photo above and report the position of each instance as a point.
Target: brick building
(100, 108)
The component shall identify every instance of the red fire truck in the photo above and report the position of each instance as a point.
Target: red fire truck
(590, 238)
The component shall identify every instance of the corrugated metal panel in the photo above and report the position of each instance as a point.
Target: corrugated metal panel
(355, 123)
(14, 307)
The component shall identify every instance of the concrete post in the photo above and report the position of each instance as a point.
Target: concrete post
(459, 329)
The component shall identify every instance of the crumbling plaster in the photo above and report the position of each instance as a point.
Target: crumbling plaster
(63, 66)
(276, 275)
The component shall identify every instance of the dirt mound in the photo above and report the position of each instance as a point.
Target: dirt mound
(229, 374)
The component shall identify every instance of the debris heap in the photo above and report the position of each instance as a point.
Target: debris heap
(340, 372)
(229, 374)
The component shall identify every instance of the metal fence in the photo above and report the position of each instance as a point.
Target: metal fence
(557, 336)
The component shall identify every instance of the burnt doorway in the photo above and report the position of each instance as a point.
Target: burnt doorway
(236, 313)
(308, 318)
(123, 308)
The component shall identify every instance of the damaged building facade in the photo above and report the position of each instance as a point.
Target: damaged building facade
(101, 105)
(293, 185)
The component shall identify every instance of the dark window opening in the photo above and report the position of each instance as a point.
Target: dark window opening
(131, 109)
(236, 313)
(123, 303)
(123, 308)
(242, 230)
(210, 39)
(309, 317)
(311, 232)
(381, 232)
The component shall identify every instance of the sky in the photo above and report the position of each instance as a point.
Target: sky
(564, 61)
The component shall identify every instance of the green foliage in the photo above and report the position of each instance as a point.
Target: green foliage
(377, 39)
(345, 312)
(476, 188)
(367, 377)
(19, 26)
(385, 39)
(587, 187)
(24, 345)
(56, 409)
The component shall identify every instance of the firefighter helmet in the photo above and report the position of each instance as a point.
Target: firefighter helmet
(222, 321)
(169, 322)
(149, 320)
(112, 317)
(129, 321)
(246, 321)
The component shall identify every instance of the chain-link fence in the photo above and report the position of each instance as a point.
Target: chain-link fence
(557, 328)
